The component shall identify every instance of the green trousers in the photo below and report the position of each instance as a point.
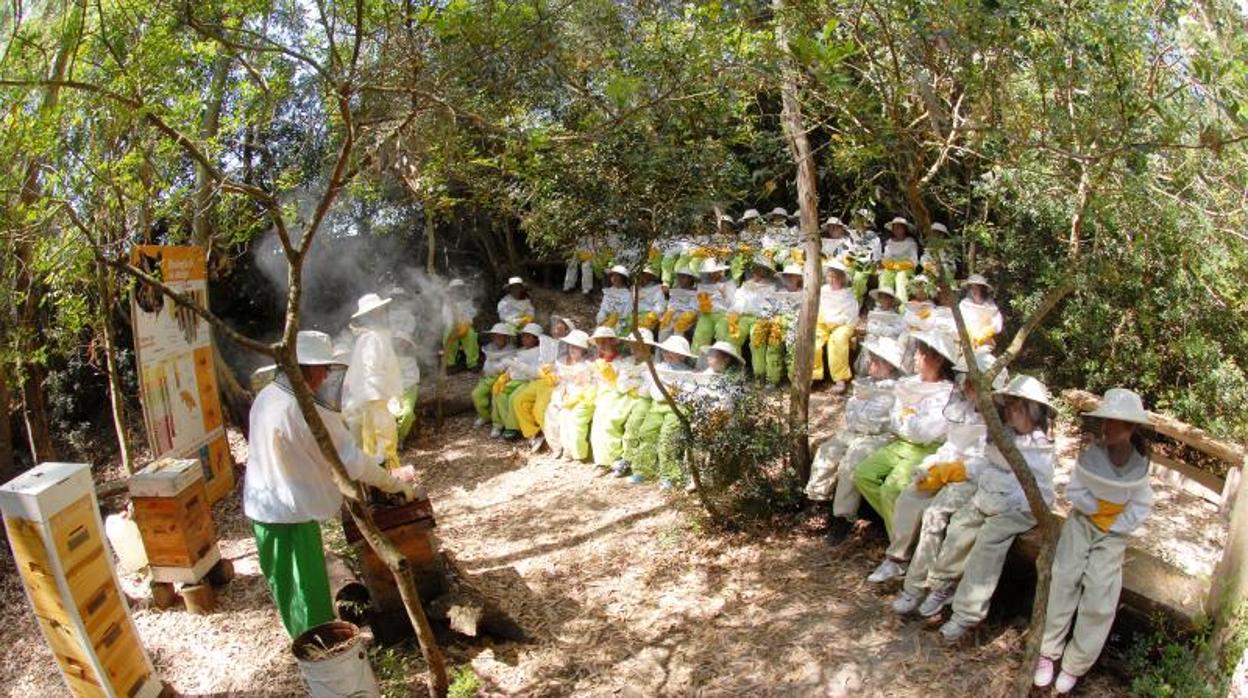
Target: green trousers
(899, 281)
(860, 279)
(661, 448)
(468, 344)
(884, 474)
(740, 261)
(574, 429)
(407, 413)
(632, 443)
(501, 413)
(606, 432)
(708, 330)
(482, 394)
(292, 559)
(725, 330)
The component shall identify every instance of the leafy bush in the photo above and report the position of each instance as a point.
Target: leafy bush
(464, 683)
(1164, 667)
(740, 453)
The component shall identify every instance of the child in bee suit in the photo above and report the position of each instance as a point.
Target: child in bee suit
(939, 489)
(867, 420)
(531, 400)
(883, 320)
(457, 315)
(515, 308)
(838, 319)
(751, 304)
(921, 315)
(682, 305)
(979, 310)
(938, 259)
(1110, 497)
(404, 407)
(618, 396)
(616, 310)
(373, 379)
(901, 258)
(716, 293)
(981, 532)
(496, 353)
(651, 301)
(574, 390)
(650, 453)
(862, 258)
(518, 369)
(581, 266)
(782, 327)
(918, 425)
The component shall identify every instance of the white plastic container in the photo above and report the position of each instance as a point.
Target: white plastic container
(334, 662)
(123, 536)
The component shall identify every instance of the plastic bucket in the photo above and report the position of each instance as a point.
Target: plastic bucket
(333, 662)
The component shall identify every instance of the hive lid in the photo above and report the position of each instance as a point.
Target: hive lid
(165, 477)
(45, 489)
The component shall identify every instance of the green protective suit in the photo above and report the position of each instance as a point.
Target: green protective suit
(468, 344)
(706, 331)
(898, 281)
(884, 474)
(859, 280)
(612, 410)
(745, 325)
(660, 449)
(407, 413)
(632, 442)
(501, 413)
(574, 425)
(481, 396)
(292, 559)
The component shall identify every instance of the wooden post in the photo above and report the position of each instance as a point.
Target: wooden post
(1229, 591)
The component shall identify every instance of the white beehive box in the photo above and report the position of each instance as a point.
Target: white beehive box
(54, 527)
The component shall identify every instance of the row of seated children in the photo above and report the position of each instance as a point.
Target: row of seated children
(915, 448)
(592, 397)
(892, 258)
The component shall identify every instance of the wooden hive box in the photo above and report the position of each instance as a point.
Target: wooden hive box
(171, 510)
(53, 524)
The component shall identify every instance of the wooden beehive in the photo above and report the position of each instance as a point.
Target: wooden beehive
(54, 527)
(171, 510)
(410, 528)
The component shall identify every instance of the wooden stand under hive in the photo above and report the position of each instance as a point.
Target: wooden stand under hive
(54, 527)
(171, 510)
(410, 527)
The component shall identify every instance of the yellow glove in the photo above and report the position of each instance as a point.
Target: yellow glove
(983, 338)
(461, 330)
(607, 370)
(1106, 513)
(775, 336)
(907, 412)
(745, 249)
(941, 474)
(584, 255)
(612, 318)
(924, 313)
(769, 255)
(904, 265)
(549, 376)
(654, 253)
(685, 321)
(523, 320)
(758, 335)
(700, 253)
(704, 302)
(499, 383)
(798, 255)
(650, 319)
(666, 320)
(571, 401)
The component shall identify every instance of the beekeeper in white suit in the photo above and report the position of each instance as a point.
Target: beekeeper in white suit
(1110, 497)
(373, 379)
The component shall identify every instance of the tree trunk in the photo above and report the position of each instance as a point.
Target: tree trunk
(35, 412)
(808, 205)
(8, 467)
(431, 241)
(116, 396)
(203, 222)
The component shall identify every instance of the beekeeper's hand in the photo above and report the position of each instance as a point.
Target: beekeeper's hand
(941, 474)
(500, 383)
(379, 477)
(1106, 513)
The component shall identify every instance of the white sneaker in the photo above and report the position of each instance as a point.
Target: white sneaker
(906, 603)
(1065, 683)
(496, 431)
(952, 631)
(478, 422)
(1044, 673)
(888, 570)
(937, 598)
(536, 443)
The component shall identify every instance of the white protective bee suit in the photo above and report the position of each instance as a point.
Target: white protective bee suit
(374, 378)
(868, 420)
(1108, 503)
(980, 534)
